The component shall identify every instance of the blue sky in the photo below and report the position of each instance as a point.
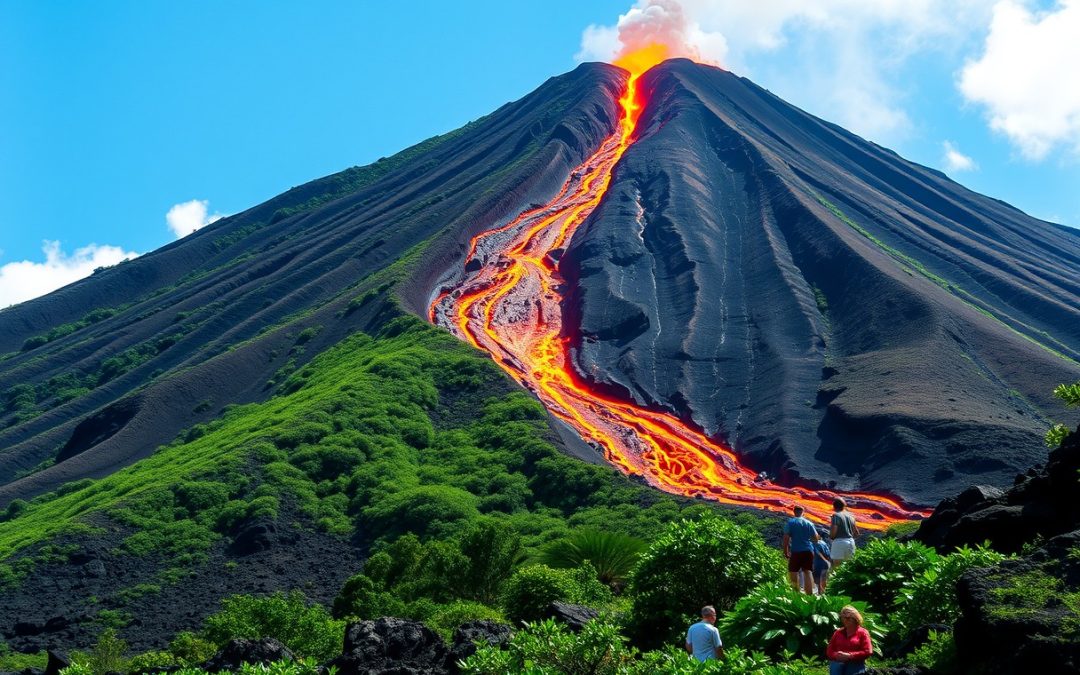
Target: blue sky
(113, 113)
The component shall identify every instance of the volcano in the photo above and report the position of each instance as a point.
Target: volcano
(773, 292)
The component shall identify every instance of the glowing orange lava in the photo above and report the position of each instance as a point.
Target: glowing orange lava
(511, 308)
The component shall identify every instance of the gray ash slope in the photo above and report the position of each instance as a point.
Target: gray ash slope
(838, 314)
(209, 320)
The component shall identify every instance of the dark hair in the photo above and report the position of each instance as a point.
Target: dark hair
(798, 510)
(838, 505)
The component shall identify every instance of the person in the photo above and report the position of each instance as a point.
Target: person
(799, 537)
(822, 565)
(850, 645)
(703, 640)
(843, 531)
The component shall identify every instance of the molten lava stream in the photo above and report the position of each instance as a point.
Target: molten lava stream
(511, 308)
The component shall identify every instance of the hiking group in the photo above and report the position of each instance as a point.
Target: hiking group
(810, 560)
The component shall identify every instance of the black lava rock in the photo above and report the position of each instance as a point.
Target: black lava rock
(239, 651)
(574, 616)
(389, 645)
(470, 634)
(57, 661)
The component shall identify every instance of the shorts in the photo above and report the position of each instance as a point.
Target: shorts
(803, 560)
(819, 573)
(842, 549)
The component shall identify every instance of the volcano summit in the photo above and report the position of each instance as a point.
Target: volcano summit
(808, 303)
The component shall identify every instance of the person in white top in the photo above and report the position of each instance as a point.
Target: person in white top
(703, 640)
(843, 531)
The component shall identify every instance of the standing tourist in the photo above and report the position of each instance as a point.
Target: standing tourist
(843, 532)
(822, 565)
(703, 640)
(850, 645)
(799, 537)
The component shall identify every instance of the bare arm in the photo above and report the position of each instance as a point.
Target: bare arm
(787, 545)
(689, 649)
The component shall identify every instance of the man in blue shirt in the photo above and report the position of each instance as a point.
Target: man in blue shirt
(703, 640)
(799, 537)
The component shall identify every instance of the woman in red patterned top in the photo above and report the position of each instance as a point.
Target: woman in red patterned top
(850, 646)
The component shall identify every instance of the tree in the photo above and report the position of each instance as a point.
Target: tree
(611, 554)
(707, 561)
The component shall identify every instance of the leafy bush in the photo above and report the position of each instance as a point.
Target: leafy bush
(938, 654)
(307, 631)
(491, 551)
(187, 648)
(611, 554)
(880, 570)
(445, 619)
(931, 596)
(107, 656)
(707, 561)
(532, 588)
(775, 618)
(550, 647)
(426, 510)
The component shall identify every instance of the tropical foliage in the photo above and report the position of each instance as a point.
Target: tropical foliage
(880, 570)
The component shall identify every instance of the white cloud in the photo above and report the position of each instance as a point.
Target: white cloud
(21, 281)
(1024, 79)
(186, 217)
(844, 58)
(954, 160)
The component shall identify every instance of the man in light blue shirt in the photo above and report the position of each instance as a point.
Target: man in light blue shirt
(703, 640)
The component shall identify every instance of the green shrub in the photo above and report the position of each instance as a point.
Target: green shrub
(147, 660)
(306, 630)
(938, 654)
(550, 647)
(13, 662)
(532, 588)
(611, 554)
(429, 510)
(775, 618)
(880, 570)
(491, 550)
(187, 648)
(931, 596)
(445, 619)
(107, 656)
(707, 561)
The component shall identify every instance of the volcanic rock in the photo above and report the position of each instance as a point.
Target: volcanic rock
(1042, 503)
(470, 633)
(240, 651)
(574, 616)
(57, 661)
(390, 645)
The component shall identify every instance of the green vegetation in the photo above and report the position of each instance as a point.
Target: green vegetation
(931, 596)
(777, 619)
(309, 631)
(880, 571)
(611, 555)
(707, 560)
(63, 330)
(1069, 394)
(533, 588)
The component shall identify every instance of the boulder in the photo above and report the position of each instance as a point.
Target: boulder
(1012, 618)
(239, 651)
(1041, 503)
(390, 645)
(254, 536)
(574, 616)
(473, 633)
(57, 661)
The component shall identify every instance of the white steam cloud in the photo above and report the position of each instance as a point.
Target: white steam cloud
(27, 279)
(653, 22)
(1023, 78)
(186, 217)
(844, 60)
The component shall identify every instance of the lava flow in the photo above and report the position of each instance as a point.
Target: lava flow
(510, 307)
